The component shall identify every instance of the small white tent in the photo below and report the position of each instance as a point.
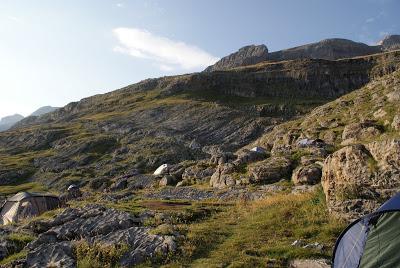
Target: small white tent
(161, 170)
(258, 149)
(26, 205)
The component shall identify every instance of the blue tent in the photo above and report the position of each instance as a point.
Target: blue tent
(371, 241)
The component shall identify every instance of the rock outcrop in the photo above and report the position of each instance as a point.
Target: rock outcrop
(94, 224)
(247, 55)
(357, 178)
(309, 175)
(271, 170)
(329, 49)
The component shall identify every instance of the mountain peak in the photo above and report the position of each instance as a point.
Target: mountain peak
(390, 42)
(246, 55)
(43, 110)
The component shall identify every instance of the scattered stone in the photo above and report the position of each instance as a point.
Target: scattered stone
(380, 113)
(321, 263)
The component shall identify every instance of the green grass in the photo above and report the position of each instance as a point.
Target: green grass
(20, 240)
(28, 186)
(251, 234)
(95, 256)
(17, 256)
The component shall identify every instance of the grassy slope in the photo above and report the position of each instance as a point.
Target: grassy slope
(254, 233)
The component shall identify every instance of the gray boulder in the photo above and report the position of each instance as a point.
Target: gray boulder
(222, 176)
(246, 156)
(309, 175)
(271, 170)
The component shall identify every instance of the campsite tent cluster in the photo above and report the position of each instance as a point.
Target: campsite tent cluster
(26, 205)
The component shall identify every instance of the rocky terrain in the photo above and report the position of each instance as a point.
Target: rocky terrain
(363, 128)
(265, 165)
(328, 49)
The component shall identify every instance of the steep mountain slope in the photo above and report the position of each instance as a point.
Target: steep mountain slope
(173, 119)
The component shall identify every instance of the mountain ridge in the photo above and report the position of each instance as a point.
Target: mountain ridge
(329, 49)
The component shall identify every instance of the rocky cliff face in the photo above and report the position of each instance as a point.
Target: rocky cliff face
(247, 55)
(328, 49)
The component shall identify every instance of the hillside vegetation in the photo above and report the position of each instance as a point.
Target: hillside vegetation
(328, 137)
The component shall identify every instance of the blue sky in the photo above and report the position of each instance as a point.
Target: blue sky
(53, 52)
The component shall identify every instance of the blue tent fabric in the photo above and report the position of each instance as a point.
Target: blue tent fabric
(392, 204)
(349, 250)
(350, 245)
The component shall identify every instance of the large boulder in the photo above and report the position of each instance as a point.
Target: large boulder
(249, 156)
(310, 175)
(359, 131)
(270, 170)
(357, 178)
(222, 176)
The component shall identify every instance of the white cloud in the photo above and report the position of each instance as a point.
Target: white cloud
(167, 54)
(120, 5)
